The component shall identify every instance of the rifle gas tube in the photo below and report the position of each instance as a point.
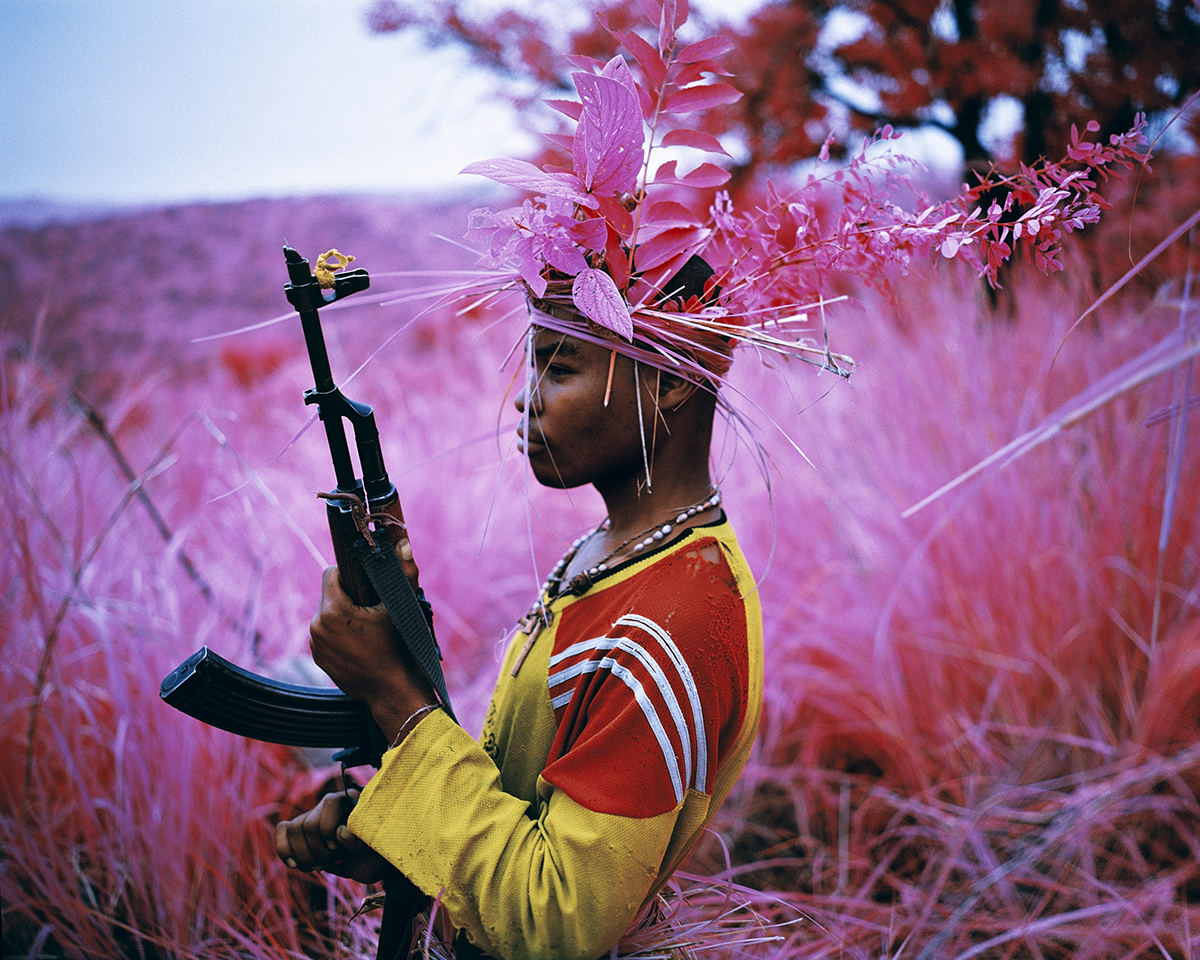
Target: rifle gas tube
(374, 489)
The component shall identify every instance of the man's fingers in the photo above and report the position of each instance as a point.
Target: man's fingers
(293, 847)
(310, 825)
(360, 862)
(330, 582)
(330, 587)
(348, 841)
(314, 840)
(332, 814)
(407, 563)
(283, 848)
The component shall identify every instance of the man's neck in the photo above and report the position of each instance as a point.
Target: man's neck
(632, 511)
(678, 479)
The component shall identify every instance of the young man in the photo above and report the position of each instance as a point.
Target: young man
(630, 694)
(626, 706)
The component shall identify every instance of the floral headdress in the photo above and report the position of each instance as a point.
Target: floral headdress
(610, 248)
(607, 249)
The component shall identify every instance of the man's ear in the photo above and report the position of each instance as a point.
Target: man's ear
(674, 390)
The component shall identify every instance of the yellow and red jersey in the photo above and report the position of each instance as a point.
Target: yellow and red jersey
(609, 743)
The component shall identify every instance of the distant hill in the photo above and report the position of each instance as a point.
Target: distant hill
(142, 285)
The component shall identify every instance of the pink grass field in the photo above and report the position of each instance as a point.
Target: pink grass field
(976, 742)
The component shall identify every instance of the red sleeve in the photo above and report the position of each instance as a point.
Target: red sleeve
(649, 681)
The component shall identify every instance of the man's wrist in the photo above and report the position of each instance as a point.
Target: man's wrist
(398, 719)
(410, 724)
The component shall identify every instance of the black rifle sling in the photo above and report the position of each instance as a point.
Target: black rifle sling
(387, 577)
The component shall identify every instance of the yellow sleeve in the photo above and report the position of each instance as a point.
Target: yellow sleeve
(559, 881)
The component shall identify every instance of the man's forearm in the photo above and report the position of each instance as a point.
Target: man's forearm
(562, 881)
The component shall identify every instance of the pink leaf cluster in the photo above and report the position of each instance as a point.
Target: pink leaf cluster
(1048, 200)
(614, 222)
(598, 222)
(786, 249)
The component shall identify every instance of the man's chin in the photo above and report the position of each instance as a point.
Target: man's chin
(547, 476)
(555, 482)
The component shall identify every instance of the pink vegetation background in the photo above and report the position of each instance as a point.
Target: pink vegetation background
(977, 742)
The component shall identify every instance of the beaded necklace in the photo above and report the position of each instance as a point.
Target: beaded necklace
(540, 616)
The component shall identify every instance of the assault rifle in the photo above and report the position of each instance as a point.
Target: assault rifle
(365, 521)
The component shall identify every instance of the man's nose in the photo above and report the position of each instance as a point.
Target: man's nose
(523, 395)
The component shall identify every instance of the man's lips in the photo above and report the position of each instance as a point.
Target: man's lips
(530, 445)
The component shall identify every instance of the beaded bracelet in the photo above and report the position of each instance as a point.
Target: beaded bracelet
(404, 726)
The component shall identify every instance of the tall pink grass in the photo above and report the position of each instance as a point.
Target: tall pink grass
(973, 745)
(128, 830)
(971, 737)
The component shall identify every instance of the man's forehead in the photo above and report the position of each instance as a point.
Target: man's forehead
(552, 343)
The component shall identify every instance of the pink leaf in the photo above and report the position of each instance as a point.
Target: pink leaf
(609, 138)
(703, 97)
(669, 213)
(674, 15)
(694, 72)
(572, 108)
(949, 247)
(693, 138)
(563, 255)
(705, 175)
(598, 299)
(525, 176)
(530, 269)
(587, 64)
(482, 223)
(591, 234)
(704, 49)
(616, 257)
(652, 9)
(648, 102)
(620, 219)
(617, 69)
(564, 141)
(670, 243)
(666, 173)
(647, 57)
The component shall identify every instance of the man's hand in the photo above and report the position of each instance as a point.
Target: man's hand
(360, 650)
(320, 840)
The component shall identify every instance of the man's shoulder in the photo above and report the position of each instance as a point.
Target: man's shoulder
(708, 554)
(691, 590)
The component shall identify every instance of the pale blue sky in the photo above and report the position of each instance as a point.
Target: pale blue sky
(132, 102)
(146, 101)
